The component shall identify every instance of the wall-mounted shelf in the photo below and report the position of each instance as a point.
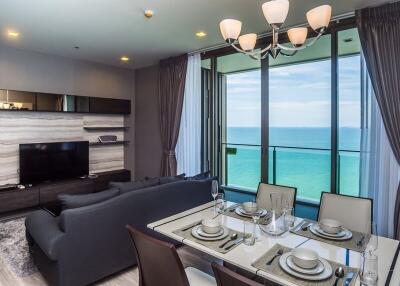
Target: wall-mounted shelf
(104, 128)
(108, 143)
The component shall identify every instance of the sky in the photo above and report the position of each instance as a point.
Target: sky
(299, 95)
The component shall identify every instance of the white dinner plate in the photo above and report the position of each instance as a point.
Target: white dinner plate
(314, 271)
(198, 236)
(323, 232)
(240, 211)
(347, 236)
(201, 232)
(325, 274)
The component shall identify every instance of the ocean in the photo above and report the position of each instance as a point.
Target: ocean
(308, 170)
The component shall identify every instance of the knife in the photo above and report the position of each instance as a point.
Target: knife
(348, 279)
(236, 242)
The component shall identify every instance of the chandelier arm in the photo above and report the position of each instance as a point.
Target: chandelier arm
(289, 55)
(252, 54)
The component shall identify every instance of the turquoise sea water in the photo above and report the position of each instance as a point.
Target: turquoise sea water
(308, 170)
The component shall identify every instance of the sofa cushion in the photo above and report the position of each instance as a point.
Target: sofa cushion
(131, 186)
(171, 179)
(77, 201)
(201, 176)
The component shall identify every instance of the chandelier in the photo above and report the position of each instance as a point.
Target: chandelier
(275, 12)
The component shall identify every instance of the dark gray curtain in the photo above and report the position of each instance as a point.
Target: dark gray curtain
(379, 30)
(170, 101)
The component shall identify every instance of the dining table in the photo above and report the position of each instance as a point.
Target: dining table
(244, 256)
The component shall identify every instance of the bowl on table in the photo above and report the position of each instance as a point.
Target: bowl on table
(250, 207)
(331, 226)
(210, 226)
(305, 258)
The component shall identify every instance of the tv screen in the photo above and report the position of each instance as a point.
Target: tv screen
(40, 162)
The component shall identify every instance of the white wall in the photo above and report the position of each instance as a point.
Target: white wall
(31, 71)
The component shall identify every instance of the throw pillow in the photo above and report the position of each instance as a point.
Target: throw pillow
(201, 176)
(77, 201)
(171, 179)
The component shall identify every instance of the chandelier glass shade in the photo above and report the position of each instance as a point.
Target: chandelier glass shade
(275, 12)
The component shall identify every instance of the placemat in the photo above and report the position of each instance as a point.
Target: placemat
(276, 270)
(352, 244)
(231, 212)
(186, 232)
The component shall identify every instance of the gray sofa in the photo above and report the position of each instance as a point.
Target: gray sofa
(86, 244)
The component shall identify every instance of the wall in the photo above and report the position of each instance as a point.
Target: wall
(148, 148)
(32, 71)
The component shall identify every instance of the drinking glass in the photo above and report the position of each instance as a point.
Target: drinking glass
(276, 203)
(248, 232)
(214, 190)
(221, 203)
(369, 269)
(370, 238)
(289, 218)
(256, 218)
(286, 204)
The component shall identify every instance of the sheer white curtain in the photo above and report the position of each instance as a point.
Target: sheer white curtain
(380, 172)
(188, 148)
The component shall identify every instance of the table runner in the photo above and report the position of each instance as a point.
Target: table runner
(351, 244)
(276, 270)
(186, 232)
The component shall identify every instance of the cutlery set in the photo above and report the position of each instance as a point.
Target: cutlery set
(234, 239)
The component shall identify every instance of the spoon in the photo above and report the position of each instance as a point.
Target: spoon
(339, 273)
(233, 237)
(305, 227)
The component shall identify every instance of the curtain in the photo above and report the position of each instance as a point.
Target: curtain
(379, 30)
(379, 172)
(188, 148)
(170, 101)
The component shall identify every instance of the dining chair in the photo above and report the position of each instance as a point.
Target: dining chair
(227, 277)
(264, 192)
(354, 213)
(159, 263)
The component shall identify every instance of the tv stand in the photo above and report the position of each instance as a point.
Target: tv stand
(46, 193)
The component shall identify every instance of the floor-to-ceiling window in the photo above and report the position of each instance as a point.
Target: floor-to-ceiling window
(303, 112)
(300, 120)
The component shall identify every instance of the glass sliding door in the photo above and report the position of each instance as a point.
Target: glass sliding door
(349, 112)
(300, 120)
(241, 121)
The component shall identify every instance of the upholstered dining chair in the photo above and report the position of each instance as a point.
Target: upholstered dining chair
(354, 213)
(159, 263)
(265, 190)
(227, 277)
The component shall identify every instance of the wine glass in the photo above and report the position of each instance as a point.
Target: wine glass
(214, 191)
(256, 217)
(276, 203)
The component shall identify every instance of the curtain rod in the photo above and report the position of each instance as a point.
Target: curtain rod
(263, 35)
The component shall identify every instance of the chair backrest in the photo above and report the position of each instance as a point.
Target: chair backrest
(355, 213)
(226, 277)
(265, 190)
(158, 261)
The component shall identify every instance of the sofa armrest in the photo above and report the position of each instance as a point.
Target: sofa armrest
(45, 232)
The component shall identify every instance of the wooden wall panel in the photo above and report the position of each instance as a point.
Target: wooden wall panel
(32, 127)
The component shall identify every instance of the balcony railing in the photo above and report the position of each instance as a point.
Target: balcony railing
(308, 169)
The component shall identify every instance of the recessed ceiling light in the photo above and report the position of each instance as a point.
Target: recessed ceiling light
(201, 34)
(124, 59)
(13, 34)
(148, 13)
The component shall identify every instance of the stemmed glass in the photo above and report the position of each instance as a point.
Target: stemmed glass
(214, 191)
(256, 217)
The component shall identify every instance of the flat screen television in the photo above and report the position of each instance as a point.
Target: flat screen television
(41, 162)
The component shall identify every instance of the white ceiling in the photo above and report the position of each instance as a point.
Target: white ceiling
(106, 29)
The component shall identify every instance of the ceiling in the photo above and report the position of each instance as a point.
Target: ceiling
(105, 30)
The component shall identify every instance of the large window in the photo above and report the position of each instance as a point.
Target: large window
(300, 120)
(278, 120)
